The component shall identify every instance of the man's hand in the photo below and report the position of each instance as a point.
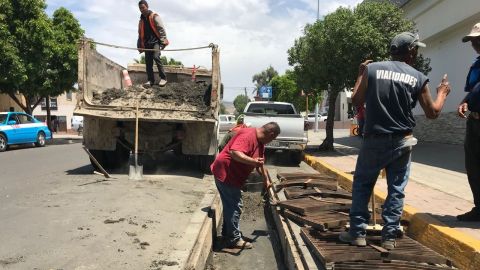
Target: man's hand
(259, 162)
(363, 66)
(444, 86)
(462, 109)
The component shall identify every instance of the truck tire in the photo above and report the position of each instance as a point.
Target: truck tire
(296, 157)
(99, 155)
(203, 163)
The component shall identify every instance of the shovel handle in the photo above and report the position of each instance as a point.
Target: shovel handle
(136, 129)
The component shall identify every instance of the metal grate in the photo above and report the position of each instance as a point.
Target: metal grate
(321, 221)
(328, 249)
(307, 180)
(312, 205)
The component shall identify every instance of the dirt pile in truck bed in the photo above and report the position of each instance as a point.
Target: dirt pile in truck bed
(177, 94)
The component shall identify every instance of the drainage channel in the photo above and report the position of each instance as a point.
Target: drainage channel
(256, 224)
(319, 209)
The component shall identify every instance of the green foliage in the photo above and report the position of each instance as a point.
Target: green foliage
(328, 54)
(63, 64)
(38, 55)
(285, 89)
(264, 77)
(240, 102)
(223, 110)
(164, 59)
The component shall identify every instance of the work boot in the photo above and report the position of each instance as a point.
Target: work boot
(241, 244)
(472, 215)
(162, 83)
(389, 244)
(347, 238)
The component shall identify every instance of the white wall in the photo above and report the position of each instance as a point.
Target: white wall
(441, 25)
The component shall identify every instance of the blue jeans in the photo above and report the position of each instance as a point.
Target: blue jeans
(232, 209)
(378, 152)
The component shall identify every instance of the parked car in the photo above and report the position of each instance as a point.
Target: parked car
(321, 117)
(21, 128)
(292, 139)
(227, 121)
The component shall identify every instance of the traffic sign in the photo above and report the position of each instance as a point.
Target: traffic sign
(265, 92)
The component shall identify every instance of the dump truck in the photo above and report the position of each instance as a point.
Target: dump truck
(182, 117)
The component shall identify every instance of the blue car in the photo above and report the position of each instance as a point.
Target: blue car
(20, 128)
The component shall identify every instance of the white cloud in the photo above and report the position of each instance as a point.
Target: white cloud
(251, 34)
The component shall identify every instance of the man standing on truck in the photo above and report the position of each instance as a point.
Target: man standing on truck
(244, 152)
(390, 91)
(151, 35)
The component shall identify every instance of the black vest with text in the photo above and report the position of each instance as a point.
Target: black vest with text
(392, 93)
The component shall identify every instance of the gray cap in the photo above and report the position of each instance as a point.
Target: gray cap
(402, 42)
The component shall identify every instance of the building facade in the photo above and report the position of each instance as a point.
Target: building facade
(441, 25)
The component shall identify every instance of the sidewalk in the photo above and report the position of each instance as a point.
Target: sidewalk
(438, 181)
(67, 136)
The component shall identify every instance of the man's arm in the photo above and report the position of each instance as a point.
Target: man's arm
(360, 88)
(161, 30)
(432, 108)
(242, 158)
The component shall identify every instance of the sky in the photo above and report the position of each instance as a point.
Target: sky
(251, 34)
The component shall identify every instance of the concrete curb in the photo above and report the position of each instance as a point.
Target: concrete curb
(459, 247)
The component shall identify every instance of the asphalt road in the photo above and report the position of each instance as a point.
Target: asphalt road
(56, 214)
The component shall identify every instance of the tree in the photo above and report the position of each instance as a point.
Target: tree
(264, 77)
(37, 54)
(285, 89)
(240, 102)
(223, 110)
(62, 66)
(164, 59)
(329, 52)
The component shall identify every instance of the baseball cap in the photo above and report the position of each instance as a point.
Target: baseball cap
(402, 42)
(473, 34)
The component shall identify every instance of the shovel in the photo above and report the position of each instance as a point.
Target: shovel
(135, 169)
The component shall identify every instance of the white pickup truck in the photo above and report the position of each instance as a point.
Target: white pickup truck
(292, 138)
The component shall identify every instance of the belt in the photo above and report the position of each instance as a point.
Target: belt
(388, 135)
(475, 115)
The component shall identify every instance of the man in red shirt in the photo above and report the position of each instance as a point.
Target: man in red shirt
(244, 152)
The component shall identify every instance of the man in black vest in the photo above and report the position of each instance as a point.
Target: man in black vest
(390, 90)
(151, 35)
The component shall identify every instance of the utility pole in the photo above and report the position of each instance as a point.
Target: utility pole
(318, 10)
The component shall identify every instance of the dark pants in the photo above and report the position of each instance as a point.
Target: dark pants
(232, 209)
(472, 158)
(361, 124)
(149, 58)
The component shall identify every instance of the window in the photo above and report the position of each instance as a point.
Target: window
(3, 118)
(223, 118)
(25, 119)
(69, 95)
(266, 108)
(53, 104)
